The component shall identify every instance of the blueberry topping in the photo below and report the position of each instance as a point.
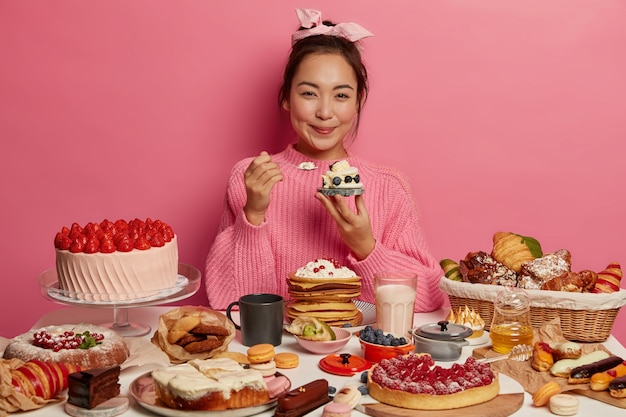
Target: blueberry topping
(377, 337)
(357, 178)
(363, 390)
(348, 179)
(331, 390)
(336, 180)
(364, 376)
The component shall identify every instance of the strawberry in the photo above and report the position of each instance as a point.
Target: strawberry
(62, 241)
(92, 245)
(157, 240)
(77, 246)
(142, 243)
(124, 244)
(107, 245)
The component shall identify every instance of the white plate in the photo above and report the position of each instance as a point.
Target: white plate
(369, 315)
(142, 391)
(481, 340)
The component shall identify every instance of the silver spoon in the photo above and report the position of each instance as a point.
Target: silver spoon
(519, 353)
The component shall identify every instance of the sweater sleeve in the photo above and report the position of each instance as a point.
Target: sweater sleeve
(402, 246)
(240, 260)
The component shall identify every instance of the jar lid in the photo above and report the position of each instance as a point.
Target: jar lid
(444, 330)
(344, 364)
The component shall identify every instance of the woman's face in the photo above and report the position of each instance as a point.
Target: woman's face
(323, 105)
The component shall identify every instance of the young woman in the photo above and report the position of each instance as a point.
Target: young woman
(274, 219)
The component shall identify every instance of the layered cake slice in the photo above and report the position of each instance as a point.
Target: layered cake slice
(88, 389)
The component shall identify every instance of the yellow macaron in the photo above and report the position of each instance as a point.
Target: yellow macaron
(286, 360)
(261, 353)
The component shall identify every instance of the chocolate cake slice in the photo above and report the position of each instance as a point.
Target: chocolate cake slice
(88, 389)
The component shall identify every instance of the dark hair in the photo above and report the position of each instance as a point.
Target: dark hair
(326, 44)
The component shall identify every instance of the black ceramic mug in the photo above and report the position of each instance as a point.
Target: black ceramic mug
(261, 317)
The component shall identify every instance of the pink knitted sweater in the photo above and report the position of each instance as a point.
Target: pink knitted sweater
(247, 259)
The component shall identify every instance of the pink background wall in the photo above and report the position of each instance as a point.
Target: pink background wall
(506, 116)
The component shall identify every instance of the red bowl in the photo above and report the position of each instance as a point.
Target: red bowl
(376, 353)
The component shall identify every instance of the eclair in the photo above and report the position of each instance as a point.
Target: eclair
(582, 374)
(304, 399)
(600, 381)
(617, 387)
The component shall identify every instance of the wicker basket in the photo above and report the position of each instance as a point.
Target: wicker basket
(584, 317)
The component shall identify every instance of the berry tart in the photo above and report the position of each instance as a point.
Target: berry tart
(83, 345)
(112, 261)
(413, 381)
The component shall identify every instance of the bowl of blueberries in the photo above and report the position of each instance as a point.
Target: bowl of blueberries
(376, 345)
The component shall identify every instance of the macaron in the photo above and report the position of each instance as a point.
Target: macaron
(263, 352)
(334, 409)
(278, 386)
(564, 405)
(349, 394)
(542, 396)
(265, 368)
(286, 360)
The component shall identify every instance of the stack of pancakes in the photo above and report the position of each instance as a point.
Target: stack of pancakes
(326, 298)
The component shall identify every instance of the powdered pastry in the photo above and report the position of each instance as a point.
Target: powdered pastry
(116, 261)
(101, 347)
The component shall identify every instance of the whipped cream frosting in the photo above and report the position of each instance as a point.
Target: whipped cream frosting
(324, 268)
(341, 175)
(200, 377)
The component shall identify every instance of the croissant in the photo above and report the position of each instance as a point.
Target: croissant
(42, 379)
(513, 250)
(609, 279)
(583, 281)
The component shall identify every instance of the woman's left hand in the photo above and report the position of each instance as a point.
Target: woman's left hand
(355, 228)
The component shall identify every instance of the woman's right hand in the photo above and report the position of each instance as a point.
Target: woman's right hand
(260, 177)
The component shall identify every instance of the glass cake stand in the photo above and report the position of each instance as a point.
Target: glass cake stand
(187, 284)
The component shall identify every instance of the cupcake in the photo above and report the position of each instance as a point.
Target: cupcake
(469, 318)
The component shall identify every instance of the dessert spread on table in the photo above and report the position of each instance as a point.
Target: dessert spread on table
(204, 375)
(119, 260)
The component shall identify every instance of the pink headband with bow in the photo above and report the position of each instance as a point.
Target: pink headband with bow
(312, 20)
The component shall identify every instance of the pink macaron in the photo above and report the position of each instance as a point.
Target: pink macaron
(335, 409)
(278, 386)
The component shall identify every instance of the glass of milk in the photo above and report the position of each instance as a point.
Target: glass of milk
(395, 297)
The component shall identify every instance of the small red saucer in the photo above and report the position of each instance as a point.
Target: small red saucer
(344, 364)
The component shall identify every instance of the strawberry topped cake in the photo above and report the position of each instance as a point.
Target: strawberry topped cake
(111, 261)
(413, 381)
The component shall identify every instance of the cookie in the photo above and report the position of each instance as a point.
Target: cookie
(207, 329)
(262, 352)
(265, 368)
(564, 405)
(203, 346)
(286, 360)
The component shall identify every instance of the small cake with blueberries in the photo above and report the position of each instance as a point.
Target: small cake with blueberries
(341, 178)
